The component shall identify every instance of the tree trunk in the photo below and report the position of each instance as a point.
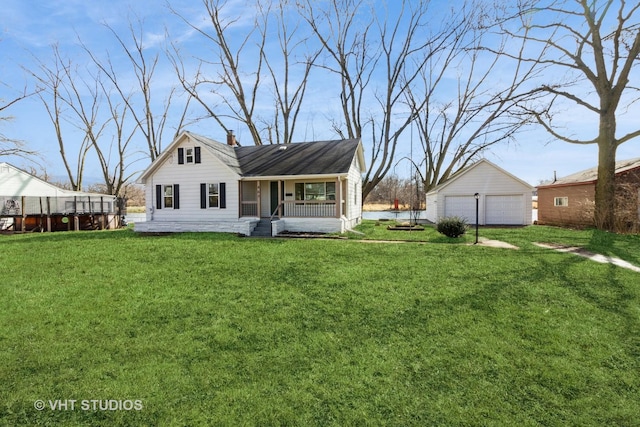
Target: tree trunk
(604, 215)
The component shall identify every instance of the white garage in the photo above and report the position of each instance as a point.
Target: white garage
(461, 206)
(504, 210)
(502, 198)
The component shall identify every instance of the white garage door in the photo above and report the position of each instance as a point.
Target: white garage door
(462, 206)
(505, 210)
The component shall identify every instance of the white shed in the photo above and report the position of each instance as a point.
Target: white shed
(503, 199)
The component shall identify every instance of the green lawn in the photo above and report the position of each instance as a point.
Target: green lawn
(211, 329)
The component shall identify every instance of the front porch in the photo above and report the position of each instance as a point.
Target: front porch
(293, 199)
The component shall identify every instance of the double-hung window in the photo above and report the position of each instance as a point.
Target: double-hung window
(168, 196)
(213, 195)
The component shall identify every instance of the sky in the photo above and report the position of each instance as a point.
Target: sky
(28, 28)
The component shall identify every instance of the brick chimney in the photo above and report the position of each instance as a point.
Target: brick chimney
(231, 139)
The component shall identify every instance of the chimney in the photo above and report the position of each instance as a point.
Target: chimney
(231, 139)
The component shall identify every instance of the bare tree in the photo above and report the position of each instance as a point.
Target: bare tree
(11, 146)
(593, 42)
(53, 94)
(150, 119)
(377, 58)
(459, 120)
(70, 98)
(239, 77)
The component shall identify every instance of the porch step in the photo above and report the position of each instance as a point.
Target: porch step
(263, 229)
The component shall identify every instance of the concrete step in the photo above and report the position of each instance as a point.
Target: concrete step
(262, 229)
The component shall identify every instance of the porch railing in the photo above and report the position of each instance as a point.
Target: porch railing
(313, 209)
(249, 208)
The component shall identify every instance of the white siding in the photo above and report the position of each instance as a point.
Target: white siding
(189, 177)
(431, 213)
(491, 183)
(353, 196)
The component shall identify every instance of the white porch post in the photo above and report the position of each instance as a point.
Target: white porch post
(259, 193)
(240, 207)
(280, 198)
(338, 197)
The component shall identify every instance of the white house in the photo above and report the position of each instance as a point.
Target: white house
(503, 199)
(198, 184)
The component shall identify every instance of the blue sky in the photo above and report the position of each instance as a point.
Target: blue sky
(30, 27)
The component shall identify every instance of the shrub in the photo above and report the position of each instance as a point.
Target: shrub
(452, 226)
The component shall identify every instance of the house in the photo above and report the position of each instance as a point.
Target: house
(28, 203)
(503, 199)
(198, 184)
(570, 201)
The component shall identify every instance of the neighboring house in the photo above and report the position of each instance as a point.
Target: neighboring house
(198, 184)
(503, 199)
(571, 200)
(28, 203)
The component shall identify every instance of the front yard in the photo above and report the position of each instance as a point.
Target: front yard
(212, 329)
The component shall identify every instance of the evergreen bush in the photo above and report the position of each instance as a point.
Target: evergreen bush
(452, 226)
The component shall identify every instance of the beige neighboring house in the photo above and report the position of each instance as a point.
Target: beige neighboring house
(28, 203)
(502, 198)
(199, 184)
(569, 201)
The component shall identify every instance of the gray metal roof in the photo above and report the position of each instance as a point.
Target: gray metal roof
(591, 175)
(302, 158)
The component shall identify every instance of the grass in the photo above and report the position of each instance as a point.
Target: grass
(212, 329)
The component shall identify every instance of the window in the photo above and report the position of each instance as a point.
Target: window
(561, 201)
(213, 195)
(316, 191)
(168, 196)
(189, 155)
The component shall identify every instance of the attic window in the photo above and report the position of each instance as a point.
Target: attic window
(189, 155)
(282, 147)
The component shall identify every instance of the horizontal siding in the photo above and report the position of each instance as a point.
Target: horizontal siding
(189, 177)
(354, 201)
(485, 179)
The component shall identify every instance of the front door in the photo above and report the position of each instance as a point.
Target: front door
(273, 191)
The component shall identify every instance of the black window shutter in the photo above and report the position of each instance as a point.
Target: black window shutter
(176, 196)
(198, 158)
(223, 195)
(203, 196)
(181, 156)
(158, 196)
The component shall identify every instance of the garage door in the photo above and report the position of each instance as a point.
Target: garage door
(504, 210)
(462, 206)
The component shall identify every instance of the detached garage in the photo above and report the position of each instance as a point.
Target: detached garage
(503, 199)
